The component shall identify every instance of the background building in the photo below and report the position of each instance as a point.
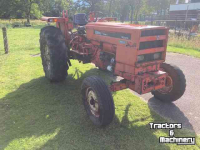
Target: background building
(187, 11)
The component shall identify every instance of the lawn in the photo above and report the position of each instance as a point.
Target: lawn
(185, 51)
(183, 45)
(35, 114)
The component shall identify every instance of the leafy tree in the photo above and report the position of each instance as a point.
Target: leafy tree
(8, 9)
(136, 6)
(32, 8)
(26, 7)
(91, 5)
(55, 7)
(122, 9)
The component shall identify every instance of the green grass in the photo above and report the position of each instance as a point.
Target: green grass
(35, 114)
(21, 22)
(186, 51)
(184, 41)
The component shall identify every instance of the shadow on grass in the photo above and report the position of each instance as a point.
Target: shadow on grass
(42, 115)
(174, 115)
(171, 111)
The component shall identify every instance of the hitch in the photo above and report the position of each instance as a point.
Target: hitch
(143, 83)
(119, 85)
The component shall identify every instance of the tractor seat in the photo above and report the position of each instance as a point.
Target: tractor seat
(80, 19)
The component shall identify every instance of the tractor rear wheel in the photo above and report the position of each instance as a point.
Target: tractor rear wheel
(175, 84)
(98, 101)
(54, 54)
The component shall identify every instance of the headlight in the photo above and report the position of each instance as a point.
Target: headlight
(157, 56)
(140, 58)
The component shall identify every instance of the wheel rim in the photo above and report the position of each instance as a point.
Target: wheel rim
(169, 86)
(92, 102)
(47, 57)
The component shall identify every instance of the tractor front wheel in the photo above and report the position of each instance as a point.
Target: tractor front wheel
(175, 84)
(98, 101)
(54, 53)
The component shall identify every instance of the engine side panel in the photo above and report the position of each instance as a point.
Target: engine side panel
(128, 42)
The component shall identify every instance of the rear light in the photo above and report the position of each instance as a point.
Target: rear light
(53, 20)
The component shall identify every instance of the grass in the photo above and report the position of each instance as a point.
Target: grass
(183, 42)
(21, 22)
(36, 114)
(185, 51)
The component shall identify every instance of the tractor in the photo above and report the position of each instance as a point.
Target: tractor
(135, 53)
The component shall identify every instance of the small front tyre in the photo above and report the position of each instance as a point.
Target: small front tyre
(98, 101)
(175, 84)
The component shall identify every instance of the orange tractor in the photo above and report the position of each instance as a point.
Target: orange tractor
(134, 52)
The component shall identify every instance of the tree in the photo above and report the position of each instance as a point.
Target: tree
(136, 6)
(8, 9)
(91, 5)
(32, 8)
(110, 7)
(26, 7)
(61, 5)
(122, 9)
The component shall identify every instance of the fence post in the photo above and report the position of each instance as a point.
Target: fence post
(5, 39)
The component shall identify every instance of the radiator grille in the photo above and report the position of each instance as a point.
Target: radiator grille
(153, 32)
(151, 44)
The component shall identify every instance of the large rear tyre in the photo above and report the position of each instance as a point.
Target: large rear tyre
(98, 101)
(175, 84)
(54, 54)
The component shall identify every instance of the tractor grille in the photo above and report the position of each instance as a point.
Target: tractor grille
(151, 44)
(153, 32)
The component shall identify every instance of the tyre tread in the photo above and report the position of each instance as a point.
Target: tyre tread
(54, 39)
(179, 89)
(105, 97)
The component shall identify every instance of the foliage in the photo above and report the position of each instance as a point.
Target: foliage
(122, 9)
(55, 7)
(8, 8)
(89, 5)
(32, 8)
